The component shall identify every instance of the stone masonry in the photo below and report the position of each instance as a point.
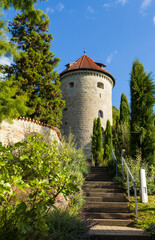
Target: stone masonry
(20, 128)
(88, 94)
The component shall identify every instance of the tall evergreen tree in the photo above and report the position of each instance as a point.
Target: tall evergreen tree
(108, 141)
(26, 6)
(142, 118)
(97, 141)
(34, 71)
(124, 110)
(94, 139)
(99, 135)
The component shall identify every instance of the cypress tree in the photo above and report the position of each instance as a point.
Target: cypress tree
(108, 141)
(124, 110)
(99, 135)
(94, 139)
(97, 141)
(142, 118)
(34, 71)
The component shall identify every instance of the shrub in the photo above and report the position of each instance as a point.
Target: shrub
(64, 225)
(33, 173)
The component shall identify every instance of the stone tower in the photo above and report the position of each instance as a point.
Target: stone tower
(87, 90)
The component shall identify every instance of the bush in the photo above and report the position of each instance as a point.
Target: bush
(33, 173)
(64, 225)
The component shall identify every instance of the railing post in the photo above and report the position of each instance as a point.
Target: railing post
(116, 169)
(135, 193)
(122, 169)
(128, 185)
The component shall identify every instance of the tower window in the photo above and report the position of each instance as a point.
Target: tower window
(100, 85)
(100, 114)
(71, 84)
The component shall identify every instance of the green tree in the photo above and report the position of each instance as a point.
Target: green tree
(27, 6)
(108, 141)
(34, 71)
(11, 104)
(94, 139)
(97, 145)
(142, 118)
(124, 110)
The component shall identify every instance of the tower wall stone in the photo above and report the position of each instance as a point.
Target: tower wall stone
(86, 92)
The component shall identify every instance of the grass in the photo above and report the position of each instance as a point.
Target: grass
(146, 214)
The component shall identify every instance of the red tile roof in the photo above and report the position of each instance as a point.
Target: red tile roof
(86, 62)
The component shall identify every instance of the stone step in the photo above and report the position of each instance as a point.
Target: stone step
(101, 184)
(93, 215)
(109, 204)
(102, 190)
(104, 194)
(112, 222)
(105, 199)
(89, 207)
(119, 236)
(98, 179)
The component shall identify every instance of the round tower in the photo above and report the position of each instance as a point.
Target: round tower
(87, 90)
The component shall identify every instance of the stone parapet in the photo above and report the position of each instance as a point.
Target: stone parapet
(22, 127)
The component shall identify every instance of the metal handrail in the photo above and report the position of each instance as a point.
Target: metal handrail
(114, 158)
(128, 172)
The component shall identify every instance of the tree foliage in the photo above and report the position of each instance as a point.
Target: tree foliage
(108, 141)
(23, 5)
(97, 144)
(11, 104)
(124, 110)
(33, 71)
(33, 173)
(26, 6)
(142, 117)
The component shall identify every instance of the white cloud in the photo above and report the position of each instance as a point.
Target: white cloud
(110, 57)
(123, 2)
(107, 5)
(5, 60)
(49, 10)
(154, 20)
(90, 9)
(145, 4)
(60, 7)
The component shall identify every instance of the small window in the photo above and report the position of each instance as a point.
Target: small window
(100, 95)
(65, 109)
(71, 84)
(100, 114)
(100, 85)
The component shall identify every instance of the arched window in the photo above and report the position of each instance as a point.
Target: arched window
(100, 113)
(71, 84)
(100, 85)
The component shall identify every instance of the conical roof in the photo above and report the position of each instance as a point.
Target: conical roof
(86, 62)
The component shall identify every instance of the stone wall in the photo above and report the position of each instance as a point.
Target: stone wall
(84, 99)
(20, 128)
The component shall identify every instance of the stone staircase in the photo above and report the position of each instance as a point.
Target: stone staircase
(107, 207)
(104, 201)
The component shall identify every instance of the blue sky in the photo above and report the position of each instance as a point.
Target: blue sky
(114, 32)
